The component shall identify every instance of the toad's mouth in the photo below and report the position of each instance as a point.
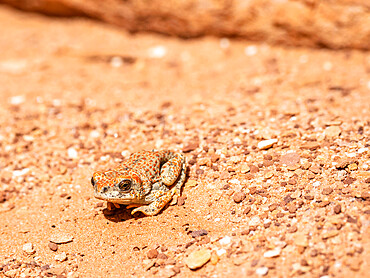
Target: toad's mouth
(119, 198)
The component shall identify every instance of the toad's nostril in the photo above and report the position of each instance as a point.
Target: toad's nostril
(104, 189)
(92, 181)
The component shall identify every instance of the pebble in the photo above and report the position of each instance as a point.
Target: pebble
(53, 246)
(255, 221)
(266, 144)
(327, 190)
(214, 258)
(251, 50)
(199, 233)
(225, 240)
(152, 254)
(157, 52)
(198, 258)
(17, 100)
(332, 132)
(181, 201)
(61, 237)
(272, 253)
(191, 183)
(262, 271)
(337, 209)
(72, 153)
(61, 257)
(244, 169)
(239, 197)
(300, 240)
(329, 234)
(190, 147)
(19, 173)
(28, 248)
(290, 159)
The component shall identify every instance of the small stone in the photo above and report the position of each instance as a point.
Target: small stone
(327, 190)
(162, 256)
(292, 208)
(72, 153)
(247, 210)
(269, 175)
(315, 169)
(332, 132)
(311, 146)
(292, 229)
(198, 258)
(17, 100)
(28, 248)
(190, 147)
(214, 258)
(244, 169)
(225, 240)
(352, 167)
(181, 201)
(157, 52)
(61, 257)
(300, 240)
(61, 237)
(152, 254)
(349, 180)
(266, 144)
(191, 183)
(199, 233)
(272, 253)
(253, 169)
(273, 206)
(262, 271)
(337, 209)
(365, 195)
(53, 246)
(329, 234)
(239, 197)
(290, 159)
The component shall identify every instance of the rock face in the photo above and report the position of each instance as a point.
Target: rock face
(333, 23)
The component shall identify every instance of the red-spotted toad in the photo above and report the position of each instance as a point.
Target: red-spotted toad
(147, 180)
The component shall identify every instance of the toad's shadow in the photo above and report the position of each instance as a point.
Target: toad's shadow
(120, 214)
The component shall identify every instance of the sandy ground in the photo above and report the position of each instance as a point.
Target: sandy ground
(79, 96)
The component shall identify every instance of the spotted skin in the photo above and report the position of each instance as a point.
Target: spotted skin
(148, 180)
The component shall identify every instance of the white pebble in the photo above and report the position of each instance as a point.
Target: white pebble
(220, 252)
(116, 62)
(262, 271)
(17, 100)
(327, 66)
(224, 43)
(272, 253)
(362, 150)
(265, 144)
(157, 52)
(94, 134)
(251, 50)
(19, 173)
(254, 221)
(72, 153)
(225, 240)
(61, 257)
(28, 248)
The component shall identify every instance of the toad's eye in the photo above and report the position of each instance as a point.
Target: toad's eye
(92, 181)
(125, 185)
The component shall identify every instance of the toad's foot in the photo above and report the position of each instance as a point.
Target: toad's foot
(157, 205)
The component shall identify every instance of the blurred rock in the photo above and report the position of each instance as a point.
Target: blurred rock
(333, 24)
